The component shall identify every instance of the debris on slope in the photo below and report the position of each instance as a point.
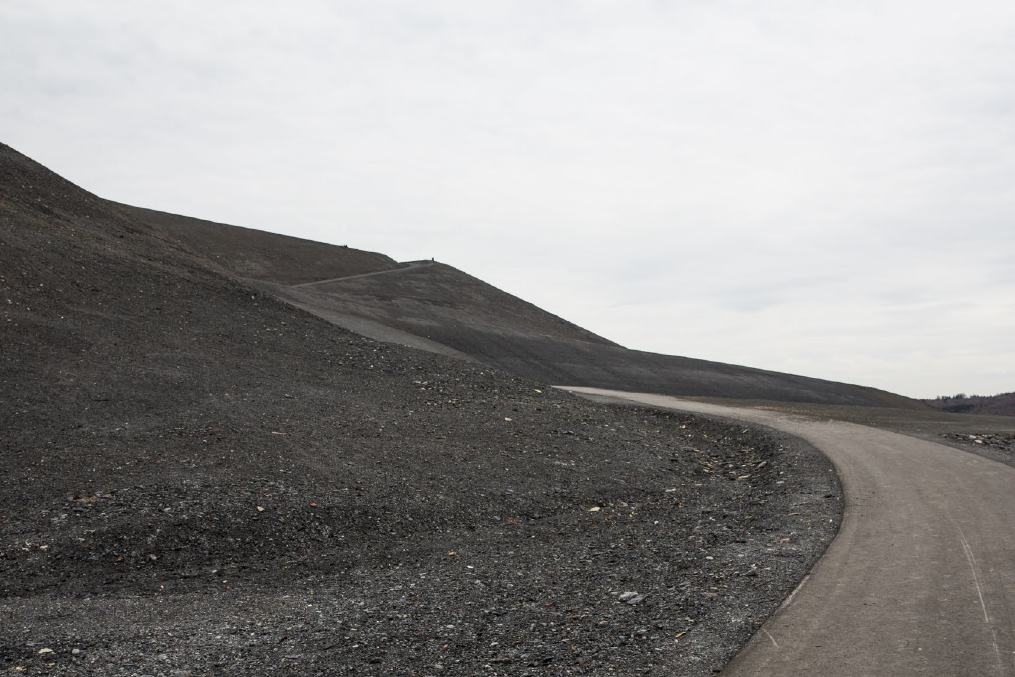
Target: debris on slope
(999, 446)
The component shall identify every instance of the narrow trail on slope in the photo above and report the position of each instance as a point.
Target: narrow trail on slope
(920, 578)
(407, 266)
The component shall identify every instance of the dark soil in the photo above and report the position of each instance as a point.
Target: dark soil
(260, 255)
(450, 308)
(199, 479)
(439, 308)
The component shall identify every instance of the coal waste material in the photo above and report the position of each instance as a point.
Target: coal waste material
(199, 479)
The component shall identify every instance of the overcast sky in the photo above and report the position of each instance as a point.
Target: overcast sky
(821, 188)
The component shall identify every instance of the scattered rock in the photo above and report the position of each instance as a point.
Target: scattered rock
(632, 597)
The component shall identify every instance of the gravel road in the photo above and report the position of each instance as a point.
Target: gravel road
(919, 579)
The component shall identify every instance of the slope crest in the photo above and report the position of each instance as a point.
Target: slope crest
(428, 297)
(260, 255)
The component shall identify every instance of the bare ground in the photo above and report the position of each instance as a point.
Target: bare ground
(437, 307)
(200, 479)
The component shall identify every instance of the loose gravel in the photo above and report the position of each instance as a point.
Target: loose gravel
(198, 480)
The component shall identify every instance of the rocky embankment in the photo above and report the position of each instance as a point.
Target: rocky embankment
(198, 479)
(998, 446)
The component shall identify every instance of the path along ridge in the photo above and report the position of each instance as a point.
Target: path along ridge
(920, 579)
(409, 265)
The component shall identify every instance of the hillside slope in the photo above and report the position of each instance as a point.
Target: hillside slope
(199, 479)
(456, 310)
(436, 307)
(260, 255)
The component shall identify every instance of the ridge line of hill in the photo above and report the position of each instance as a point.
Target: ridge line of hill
(440, 308)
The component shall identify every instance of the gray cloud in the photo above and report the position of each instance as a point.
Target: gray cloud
(804, 187)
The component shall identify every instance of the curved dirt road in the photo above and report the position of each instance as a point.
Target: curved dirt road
(920, 579)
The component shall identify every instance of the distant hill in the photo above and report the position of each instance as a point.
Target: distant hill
(995, 405)
(433, 306)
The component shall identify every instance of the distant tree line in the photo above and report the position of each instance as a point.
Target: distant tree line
(997, 405)
(963, 396)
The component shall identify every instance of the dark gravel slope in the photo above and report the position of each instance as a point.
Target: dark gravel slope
(198, 479)
(260, 255)
(454, 313)
(454, 309)
(441, 303)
